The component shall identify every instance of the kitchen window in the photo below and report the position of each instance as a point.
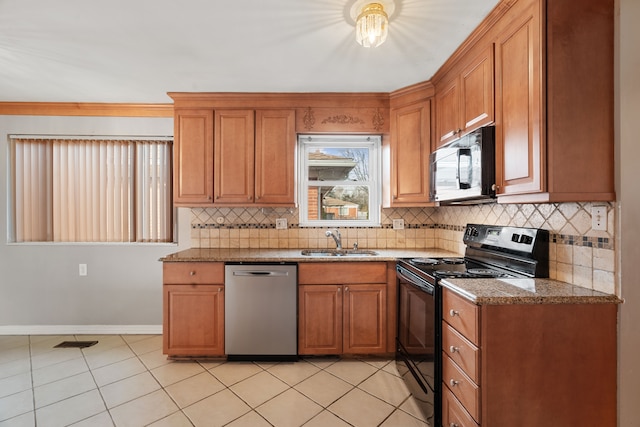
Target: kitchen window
(339, 180)
(91, 190)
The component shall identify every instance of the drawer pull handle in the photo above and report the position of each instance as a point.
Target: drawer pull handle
(192, 273)
(454, 349)
(454, 313)
(453, 382)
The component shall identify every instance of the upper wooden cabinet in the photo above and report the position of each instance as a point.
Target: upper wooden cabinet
(275, 148)
(233, 154)
(410, 145)
(465, 98)
(254, 157)
(193, 157)
(554, 102)
(406, 151)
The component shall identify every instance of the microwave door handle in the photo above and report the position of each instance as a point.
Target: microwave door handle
(465, 152)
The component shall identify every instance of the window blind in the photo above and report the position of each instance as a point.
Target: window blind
(92, 190)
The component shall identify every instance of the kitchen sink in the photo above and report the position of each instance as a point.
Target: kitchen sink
(338, 252)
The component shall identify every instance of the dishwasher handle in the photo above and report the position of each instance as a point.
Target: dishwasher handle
(261, 273)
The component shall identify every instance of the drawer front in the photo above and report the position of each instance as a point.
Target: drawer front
(453, 413)
(467, 392)
(341, 273)
(192, 273)
(462, 315)
(462, 351)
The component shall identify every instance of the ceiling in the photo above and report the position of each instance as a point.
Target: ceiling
(135, 51)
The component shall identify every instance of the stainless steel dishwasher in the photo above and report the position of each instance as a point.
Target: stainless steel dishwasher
(260, 311)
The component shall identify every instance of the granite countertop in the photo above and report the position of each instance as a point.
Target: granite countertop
(526, 291)
(295, 255)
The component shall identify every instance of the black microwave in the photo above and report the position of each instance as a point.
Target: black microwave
(463, 171)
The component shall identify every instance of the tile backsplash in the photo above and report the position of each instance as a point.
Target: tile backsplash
(577, 254)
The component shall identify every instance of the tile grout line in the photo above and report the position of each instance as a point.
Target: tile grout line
(33, 388)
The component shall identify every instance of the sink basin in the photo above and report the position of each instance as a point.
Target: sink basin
(338, 252)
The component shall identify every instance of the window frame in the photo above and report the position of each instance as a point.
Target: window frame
(308, 142)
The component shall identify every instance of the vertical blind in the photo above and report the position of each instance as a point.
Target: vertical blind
(91, 190)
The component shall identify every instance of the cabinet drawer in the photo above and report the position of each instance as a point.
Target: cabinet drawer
(462, 351)
(341, 273)
(192, 273)
(467, 392)
(461, 314)
(453, 413)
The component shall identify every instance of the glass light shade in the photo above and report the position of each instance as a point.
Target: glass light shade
(372, 25)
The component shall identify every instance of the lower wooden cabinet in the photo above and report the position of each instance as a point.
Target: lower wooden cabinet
(193, 309)
(528, 364)
(343, 308)
(342, 319)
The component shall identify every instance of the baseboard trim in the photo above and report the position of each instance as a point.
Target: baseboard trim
(81, 330)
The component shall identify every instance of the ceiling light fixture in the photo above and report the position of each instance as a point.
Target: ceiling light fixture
(372, 21)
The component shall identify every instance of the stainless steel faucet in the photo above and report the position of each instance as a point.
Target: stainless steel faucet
(336, 237)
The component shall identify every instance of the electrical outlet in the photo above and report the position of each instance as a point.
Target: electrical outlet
(398, 224)
(82, 269)
(599, 218)
(281, 224)
(220, 220)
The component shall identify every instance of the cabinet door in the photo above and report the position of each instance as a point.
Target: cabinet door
(234, 157)
(448, 126)
(410, 149)
(365, 320)
(476, 83)
(193, 158)
(520, 166)
(193, 320)
(274, 163)
(319, 319)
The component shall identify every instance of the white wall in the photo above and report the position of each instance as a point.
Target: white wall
(628, 112)
(40, 288)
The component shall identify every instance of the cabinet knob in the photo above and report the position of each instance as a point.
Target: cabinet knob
(192, 273)
(220, 289)
(249, 198)
(495, 188)
(454, 313)
(454, 425)
(257, 197)
(454, 349)
(346, 289)
(453, 382)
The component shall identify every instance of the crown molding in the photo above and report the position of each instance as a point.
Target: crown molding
(85, 109)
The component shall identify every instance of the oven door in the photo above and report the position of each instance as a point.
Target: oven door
(418, 341)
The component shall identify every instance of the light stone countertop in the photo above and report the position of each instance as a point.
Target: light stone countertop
(526, 291)
(295, 255)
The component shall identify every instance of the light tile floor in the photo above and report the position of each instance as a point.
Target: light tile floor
(125, 380)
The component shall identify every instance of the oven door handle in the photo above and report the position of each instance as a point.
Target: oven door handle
(414, 280)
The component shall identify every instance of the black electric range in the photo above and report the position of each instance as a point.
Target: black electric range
(491, 252)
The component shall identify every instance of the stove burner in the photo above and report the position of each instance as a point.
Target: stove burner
(453, 260)
(483, 272)
(425, 261)
(450, 274)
